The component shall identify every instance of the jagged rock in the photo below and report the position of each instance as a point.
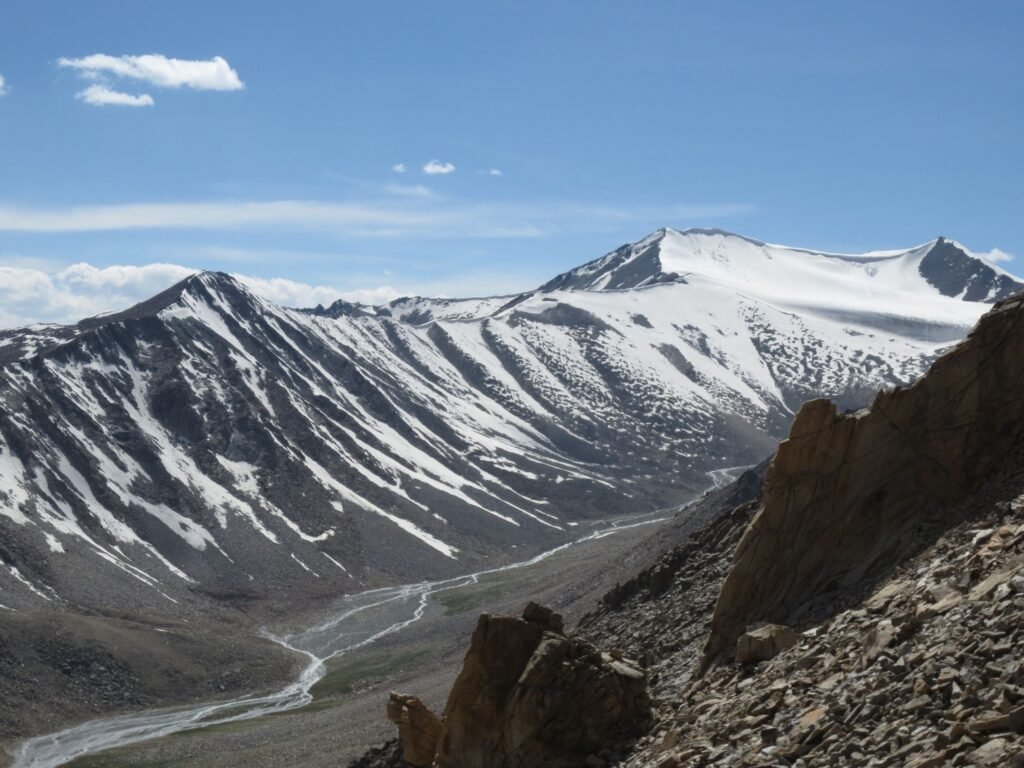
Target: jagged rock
(846, 493)
(543, 616)
(387, 755)
(990, 753)
(878, 639)
(529, 696)
(419, 729)
(1010, 721)
(764, 643)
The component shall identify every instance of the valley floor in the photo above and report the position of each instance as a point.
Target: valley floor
(346, 714)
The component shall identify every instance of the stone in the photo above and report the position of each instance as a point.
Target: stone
(1010, 721)
(879, 601)
(764, 643)
(990, 753)
(877, 640)
(544, 616)
(812, 717)
(419, 730)
(985, 588)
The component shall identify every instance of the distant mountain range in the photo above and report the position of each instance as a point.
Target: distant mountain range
(208, 446)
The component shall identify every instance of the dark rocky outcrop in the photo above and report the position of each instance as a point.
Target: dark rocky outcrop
(955, 273)
(847, 493)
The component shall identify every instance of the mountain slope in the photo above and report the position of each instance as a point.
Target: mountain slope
(208, 445)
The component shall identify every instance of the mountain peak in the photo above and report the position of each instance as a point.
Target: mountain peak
(954, 271)
(744, 263)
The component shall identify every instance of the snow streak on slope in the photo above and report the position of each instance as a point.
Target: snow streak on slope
(208, 444)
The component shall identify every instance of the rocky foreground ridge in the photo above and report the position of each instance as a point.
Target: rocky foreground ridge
(866, 610)
(527, 695)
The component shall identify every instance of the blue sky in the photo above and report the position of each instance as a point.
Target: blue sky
(848, 126)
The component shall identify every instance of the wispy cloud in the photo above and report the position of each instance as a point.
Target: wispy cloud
(494, 172)
(4, 88)
(202, 75)
(407, 190)
(414, 213)
(435, 167)
(102, 96)
(153, 69)
(398, 167)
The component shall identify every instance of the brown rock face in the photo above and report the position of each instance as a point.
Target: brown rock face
(529, 696)
(419, 730)
(846, 491)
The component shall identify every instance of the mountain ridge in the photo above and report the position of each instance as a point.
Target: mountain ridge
(213, 446)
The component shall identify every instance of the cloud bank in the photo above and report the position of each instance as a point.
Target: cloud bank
(30, 295)
(43, 293)
(81, 290)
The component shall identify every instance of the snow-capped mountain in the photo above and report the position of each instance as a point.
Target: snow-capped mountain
(210, 445)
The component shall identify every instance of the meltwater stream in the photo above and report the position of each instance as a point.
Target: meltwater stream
(363, 618)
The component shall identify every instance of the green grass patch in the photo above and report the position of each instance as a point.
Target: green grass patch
(347, 672)
(475, 597)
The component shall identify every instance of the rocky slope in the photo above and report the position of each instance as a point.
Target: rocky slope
(867, 608)
(925, 670)
(846, 493)
(207, 447)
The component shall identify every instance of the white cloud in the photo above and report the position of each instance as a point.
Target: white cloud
(996, 256)
(102, 96)
(494, 172)
(435, 167)
(202, 75)
(290, 293)
(398, 167)
(4, 88)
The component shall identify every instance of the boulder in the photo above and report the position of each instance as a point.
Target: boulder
(878, 639)
(764, 643)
